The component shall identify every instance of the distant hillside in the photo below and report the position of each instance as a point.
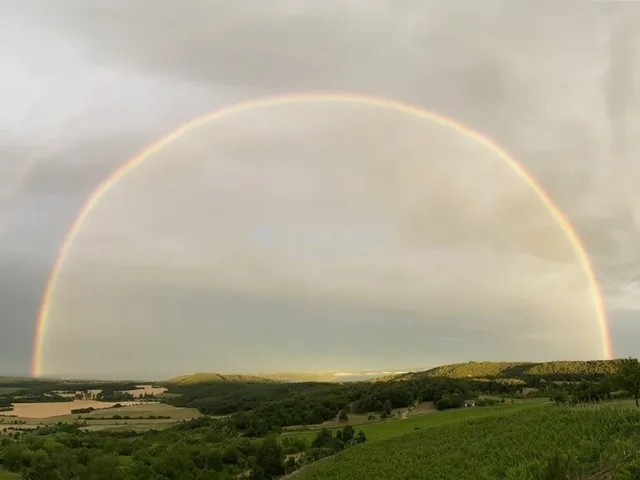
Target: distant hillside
(197, 378)
(556, 370)
(519, 369)
(289, 377)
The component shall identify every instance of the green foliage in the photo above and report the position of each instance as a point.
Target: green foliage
(77, 411)
(343, 416)
(630, 377)
(113, 395)
(199, 449)
(540, 443)
(450, 400)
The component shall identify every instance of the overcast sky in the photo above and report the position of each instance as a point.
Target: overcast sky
(316, 236)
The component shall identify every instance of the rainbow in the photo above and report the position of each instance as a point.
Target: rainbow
(101, 191)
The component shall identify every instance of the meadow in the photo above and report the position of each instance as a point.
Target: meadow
(573, 442)
(394, 427)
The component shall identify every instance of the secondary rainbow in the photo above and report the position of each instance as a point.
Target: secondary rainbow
(345, 98)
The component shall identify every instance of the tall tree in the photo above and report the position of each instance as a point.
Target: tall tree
(630, 377)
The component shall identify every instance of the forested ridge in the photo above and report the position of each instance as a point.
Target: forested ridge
(574, 370)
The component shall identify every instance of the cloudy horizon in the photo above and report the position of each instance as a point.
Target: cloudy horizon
(316, 237)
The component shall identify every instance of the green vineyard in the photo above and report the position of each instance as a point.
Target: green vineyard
(541, 443)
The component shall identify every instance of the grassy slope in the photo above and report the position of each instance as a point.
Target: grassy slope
(198, 378)
(499, 446)
(387, 429)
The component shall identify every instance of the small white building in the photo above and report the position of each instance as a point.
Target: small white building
(469, 403)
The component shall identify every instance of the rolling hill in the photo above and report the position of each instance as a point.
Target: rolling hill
(495, 370)
(286, 377)
(479, 370)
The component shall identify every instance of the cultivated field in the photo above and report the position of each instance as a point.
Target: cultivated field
(497, 446)
(95, 421)
(55, 409)
(138, 417)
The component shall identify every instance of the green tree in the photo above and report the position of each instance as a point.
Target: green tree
(347, 433)
(456, 400)
(323, 439)
(342, 416)
(630, 377)
(269, 461)
(105, 467)
(230, 455)
(560, 397)
(42, 472)
(140, 471)
(386, 409)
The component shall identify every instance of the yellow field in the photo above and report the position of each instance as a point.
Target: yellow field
(46, 410)
(138, 410)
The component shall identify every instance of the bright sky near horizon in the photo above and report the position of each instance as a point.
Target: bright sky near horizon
(315, 237)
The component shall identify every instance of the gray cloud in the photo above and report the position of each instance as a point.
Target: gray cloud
(92, 84)
(404, 225)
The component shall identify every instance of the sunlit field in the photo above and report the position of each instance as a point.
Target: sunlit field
(136, 417)
(46, 410)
